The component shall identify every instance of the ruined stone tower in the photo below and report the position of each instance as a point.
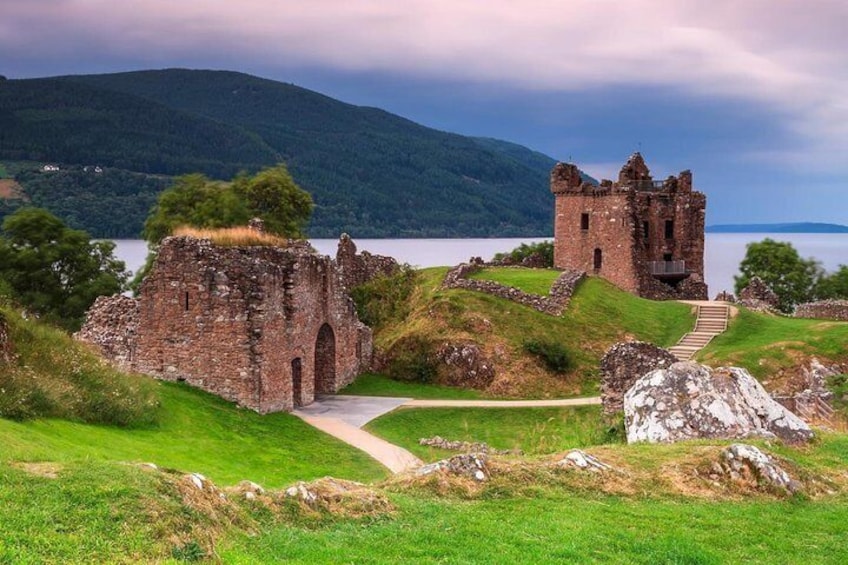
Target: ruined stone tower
(645, 236)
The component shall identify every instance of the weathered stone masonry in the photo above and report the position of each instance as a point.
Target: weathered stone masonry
(645, 236)
(266, 327)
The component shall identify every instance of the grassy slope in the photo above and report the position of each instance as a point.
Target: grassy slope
(373, 384)
(598, 316)
(534, 281)
(767, 344)
(198, 432)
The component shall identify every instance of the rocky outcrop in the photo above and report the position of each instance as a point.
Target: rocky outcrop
(554, 304)
(748, 465)
(758, 296)
(111, 325)
(464, 365)
(823, 309)
(625, 363)
(690, 401)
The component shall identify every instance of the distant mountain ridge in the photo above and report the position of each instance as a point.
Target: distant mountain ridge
(371, 173)
(799, 227)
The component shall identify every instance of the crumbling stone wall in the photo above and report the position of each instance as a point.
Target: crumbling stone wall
(618, 230)
(758, 296)
(266, 327)
(823, 309)
(358, 268)
(112, 325)
(624, 364)
(554, 304)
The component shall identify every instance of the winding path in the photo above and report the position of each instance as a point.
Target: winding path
(342, 416)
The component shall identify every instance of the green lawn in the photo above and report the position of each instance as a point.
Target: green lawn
(534, 281)
(373, 384)
(557, 527)
(197, 432)
(533, 430)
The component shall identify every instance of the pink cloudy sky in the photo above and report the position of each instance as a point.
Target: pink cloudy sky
(752, 95)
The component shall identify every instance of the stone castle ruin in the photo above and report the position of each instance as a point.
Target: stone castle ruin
(645, 236)
(266, 327)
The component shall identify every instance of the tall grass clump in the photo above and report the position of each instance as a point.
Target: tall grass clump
(49, 375)
(386, 299)
(241, 236)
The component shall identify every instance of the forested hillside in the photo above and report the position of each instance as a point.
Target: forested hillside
(371, 173)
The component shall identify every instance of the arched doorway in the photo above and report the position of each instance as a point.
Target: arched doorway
(598, 260)
(325, 361)
(297, 384)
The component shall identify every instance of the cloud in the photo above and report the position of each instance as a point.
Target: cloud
(784, 54)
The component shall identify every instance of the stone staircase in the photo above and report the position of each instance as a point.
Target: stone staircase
(712, 320)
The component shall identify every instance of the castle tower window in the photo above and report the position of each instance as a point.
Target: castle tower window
(584, 221)
(646, 230)
(186, 301)
(598, 260)
(669, 229)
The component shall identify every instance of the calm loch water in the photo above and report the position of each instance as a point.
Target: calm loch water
(724, 251)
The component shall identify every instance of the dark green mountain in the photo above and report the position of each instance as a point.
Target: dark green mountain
(371, 173)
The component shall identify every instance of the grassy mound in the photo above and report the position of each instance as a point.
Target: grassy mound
(508, 333)
(51, 375)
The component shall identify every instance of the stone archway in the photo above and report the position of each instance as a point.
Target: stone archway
(325, 361)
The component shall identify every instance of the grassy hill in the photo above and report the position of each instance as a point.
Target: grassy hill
(598, 316)
(371, 173)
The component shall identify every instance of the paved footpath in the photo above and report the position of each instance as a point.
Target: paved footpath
(343, 416)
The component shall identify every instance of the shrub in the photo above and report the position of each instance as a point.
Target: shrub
(410, 360)
(555, 356)
(544, 250)
(385, 299)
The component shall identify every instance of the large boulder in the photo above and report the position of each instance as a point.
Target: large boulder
(690, 401)
(624, 364)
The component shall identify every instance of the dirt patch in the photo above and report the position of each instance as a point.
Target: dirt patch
(46, 469)
(11, 190)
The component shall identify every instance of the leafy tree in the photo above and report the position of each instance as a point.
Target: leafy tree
(833, 285)
(780, 267)
(55, 271)
(272, 195)
(196, 201)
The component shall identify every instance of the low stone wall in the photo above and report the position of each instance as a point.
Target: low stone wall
(554, 304)
(824, 309)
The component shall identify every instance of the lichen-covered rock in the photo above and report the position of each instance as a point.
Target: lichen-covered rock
(690, 401)
(747, 464)
(625, 363)
(471, 465)
(339, 497)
